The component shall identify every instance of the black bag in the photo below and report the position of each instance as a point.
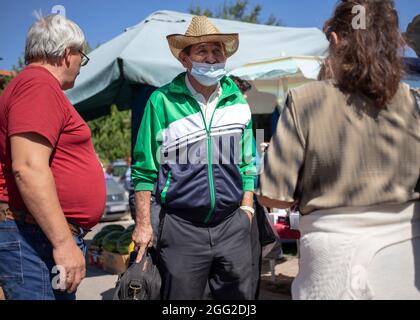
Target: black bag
(141, 281)
(268, 237)
(265, 229)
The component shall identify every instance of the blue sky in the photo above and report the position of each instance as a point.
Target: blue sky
(103, 20)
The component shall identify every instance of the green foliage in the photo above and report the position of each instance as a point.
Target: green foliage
(20, 65)
(111, 135)
(198, 11)
(4, 82)
(87, 49)
(236, 11)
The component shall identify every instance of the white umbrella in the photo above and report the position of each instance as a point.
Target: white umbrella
(275, 77)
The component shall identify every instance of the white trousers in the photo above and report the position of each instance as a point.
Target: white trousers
(360, 253)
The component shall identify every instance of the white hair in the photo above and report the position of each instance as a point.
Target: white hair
(50, 36)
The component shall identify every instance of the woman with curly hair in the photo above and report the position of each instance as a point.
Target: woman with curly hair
(348, 150)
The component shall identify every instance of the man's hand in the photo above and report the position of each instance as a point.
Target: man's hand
(248, 200)
(142, 238)
(143, 232)
(69, 256)
(249, 215)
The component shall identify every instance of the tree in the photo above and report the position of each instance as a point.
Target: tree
(20, 65)
(88, 49)
(3, 82)
(111, 135)
(236, 11)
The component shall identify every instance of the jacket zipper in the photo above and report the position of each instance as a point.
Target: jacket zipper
(209, 166)
(166, 187)
(209, 157)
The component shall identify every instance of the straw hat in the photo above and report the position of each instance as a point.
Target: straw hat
(202, 30)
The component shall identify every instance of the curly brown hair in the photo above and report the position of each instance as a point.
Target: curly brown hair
(367, 60)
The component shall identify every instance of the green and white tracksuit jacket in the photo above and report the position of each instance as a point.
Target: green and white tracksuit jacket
(201, 171)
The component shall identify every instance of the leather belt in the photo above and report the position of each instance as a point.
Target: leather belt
(7, 214)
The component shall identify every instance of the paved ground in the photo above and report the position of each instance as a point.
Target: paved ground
(99, 285)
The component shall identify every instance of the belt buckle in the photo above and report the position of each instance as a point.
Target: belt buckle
(76, 230)
(3, 215)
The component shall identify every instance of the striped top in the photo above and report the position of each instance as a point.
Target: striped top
(334, 150)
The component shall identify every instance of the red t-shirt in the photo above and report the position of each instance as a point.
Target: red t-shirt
(34, 102)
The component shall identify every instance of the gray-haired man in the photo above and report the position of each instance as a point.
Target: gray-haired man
(52, 188)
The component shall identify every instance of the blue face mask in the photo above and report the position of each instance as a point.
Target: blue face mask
(208, 74)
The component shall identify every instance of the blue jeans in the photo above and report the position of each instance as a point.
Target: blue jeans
(26, 263)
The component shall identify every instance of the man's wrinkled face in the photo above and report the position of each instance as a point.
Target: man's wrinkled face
(206, 52)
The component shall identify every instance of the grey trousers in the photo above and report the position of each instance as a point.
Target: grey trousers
(192, 256)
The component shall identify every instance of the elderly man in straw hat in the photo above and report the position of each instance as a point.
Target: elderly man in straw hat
(196, 142)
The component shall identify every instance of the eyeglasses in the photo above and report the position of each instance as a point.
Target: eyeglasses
(85, 59)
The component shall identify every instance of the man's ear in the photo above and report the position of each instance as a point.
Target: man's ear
(224, 50)
(67, 57)
(183, 58)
